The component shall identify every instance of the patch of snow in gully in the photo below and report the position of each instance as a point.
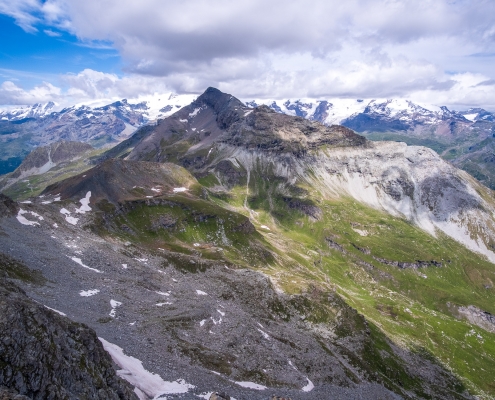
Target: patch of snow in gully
(152, 385)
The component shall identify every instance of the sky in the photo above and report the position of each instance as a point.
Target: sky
(439, 52)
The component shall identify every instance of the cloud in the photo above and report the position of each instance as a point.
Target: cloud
(384, 48)
(12, 94)
(459, 91)
(52, 33)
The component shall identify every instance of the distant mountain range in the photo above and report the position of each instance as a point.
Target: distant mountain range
(465, 138)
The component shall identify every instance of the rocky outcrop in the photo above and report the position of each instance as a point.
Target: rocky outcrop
(478, 317)
(8, 207)
(46, 356)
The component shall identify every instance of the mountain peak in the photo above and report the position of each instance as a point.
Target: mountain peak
(218, 100)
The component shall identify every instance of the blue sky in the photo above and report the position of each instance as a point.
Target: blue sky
(28, 57)
(440, 52)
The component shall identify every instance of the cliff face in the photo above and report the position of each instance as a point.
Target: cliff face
(47, 356)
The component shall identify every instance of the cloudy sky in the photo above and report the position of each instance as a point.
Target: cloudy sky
(70, 51)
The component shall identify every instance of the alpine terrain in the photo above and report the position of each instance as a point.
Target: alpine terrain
(232, 251)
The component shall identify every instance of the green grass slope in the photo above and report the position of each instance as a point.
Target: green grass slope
(408, 283)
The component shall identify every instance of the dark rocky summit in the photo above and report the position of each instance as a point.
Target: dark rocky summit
(217, 117)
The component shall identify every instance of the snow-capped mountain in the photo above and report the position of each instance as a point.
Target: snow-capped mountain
(25, 128)
(398, 114)
(329, 112)
(454, 134)
(37, 110)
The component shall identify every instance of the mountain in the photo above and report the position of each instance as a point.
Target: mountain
(24, 129)
(237, 249)
(37, 110)
(46, 164)
(464, 138)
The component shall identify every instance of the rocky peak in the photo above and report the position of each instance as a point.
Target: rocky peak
(226, 107)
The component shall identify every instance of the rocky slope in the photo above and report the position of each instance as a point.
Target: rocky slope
(44, 355)
(464, 138)
(44, 158)
(170, 279)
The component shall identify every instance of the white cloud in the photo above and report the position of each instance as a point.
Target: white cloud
(10, 93)
(254, 48)
(52, 33)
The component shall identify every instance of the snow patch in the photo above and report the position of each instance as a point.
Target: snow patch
(471, 117)
(114, 304)
(183, 120)
(88, 293)
(195, 112)
(265, 335)
(201, 293)
(202, 322)
(265, 227)
(58, 312)
(180, 189)
(251, 385)
(124, 266)
(84, 204)
(78, 261)
(23, 220)
(68, 218)
(152, 385)
(163, 304)
(163, 293)
(309, 386)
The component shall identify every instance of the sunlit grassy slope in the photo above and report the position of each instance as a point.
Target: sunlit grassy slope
(349, 248)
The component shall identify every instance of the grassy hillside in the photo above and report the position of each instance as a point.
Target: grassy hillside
(351, 248)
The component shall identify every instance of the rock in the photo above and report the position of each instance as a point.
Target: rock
(46, 356)
(478, 317)
(219, 396)
(9, 394)
(8, 207)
